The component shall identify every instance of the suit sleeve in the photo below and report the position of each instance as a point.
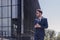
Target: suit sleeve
(35, 21)
(45, 24)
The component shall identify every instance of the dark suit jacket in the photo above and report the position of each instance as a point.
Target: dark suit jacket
(43, 23)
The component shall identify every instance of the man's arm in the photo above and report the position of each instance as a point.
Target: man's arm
(36, 24)
(45, 24)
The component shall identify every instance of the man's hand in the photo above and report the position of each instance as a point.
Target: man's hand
(37, 26)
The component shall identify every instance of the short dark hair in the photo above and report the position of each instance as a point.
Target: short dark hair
(39, 10)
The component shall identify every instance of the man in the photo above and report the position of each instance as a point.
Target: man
(40, 23)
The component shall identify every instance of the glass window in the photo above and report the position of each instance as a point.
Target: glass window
(14, 12)
(0, 22)
(5, 22)
(5, 30)
(9, 21)
(9, 11)
(0, 12)
(14, 2)
(5, 10)
(0, 2)
(0, 28)
(9, 2)
(4, 2)
(5, 15)
(4, 33)
(9, 31)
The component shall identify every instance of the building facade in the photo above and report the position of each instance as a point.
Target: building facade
(8, 13)
(16, 17)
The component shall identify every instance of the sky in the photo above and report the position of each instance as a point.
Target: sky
(51, 10)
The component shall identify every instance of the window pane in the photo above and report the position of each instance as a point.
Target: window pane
(5, 22)
(14, 2)
(4, 2)
(14, 12)
(5, 30)
(9, 21)
(9, 31)
(0, 28)
(0, 2)
(9, 2)
(9, 11)
(6, 11)
(0, 22)
(5, 14)
(0, 12)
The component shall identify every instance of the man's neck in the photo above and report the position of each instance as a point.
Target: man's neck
(40, 17)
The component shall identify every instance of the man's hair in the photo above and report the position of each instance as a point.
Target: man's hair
(39, 10)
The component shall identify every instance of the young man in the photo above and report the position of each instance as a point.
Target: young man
(40, 23)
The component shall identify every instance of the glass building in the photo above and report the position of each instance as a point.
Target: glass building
(8, 11)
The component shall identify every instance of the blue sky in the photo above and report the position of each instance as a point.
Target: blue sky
(51, 10)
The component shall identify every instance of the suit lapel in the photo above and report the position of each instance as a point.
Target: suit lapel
(42, 19)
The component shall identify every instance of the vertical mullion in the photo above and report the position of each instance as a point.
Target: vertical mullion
(11, 17)
(2, 17)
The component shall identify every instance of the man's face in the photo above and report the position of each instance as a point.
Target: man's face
(38, 14)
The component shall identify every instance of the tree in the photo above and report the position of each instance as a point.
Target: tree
(49, 35)
(58, 36)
